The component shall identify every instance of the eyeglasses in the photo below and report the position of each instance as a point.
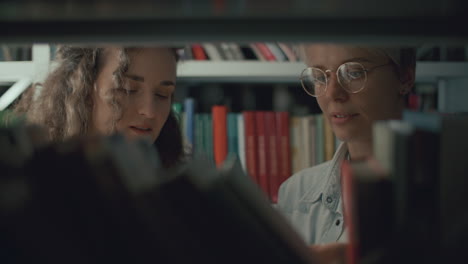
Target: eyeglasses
(352, 76)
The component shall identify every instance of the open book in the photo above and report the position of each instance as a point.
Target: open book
(107, 200)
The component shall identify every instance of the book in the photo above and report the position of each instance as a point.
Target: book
(259, 56)
(274, 48)
(287, 50)
(241, 140)
(232, 134)
(265, 51)
(220, 137)
(189, 107)
(284, 148)
(212, 51)
(272, 155)
(198, 52)
(263, 149)
(250, 137)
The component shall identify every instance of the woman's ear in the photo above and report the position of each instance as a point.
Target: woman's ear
(407, 79)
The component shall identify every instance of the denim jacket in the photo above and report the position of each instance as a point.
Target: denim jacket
(311, 200)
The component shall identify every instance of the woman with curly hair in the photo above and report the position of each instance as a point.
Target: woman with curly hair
(110, 89)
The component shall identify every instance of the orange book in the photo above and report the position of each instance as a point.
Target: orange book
(262, 150)
(220, 142)
(198, 52)
(250, 140)
(266, 52)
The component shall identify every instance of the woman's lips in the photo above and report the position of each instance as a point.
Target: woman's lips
(141, 130)
(342, 118)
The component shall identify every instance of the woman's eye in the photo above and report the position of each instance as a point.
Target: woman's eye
(127, 91)
(355, 74)
(162, 96)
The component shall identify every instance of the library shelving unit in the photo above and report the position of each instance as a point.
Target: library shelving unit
(22, 73)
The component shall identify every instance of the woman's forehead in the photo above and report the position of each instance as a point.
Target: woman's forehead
(332, 54)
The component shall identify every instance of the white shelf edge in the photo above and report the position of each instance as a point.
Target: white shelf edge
(255, 71)
(12, 71)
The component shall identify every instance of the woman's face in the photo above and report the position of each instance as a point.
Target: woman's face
(351, 115)
(144, 99)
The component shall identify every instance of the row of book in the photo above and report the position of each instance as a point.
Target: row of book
(224, 51)
(15, 53)
(415, 188)
(270, 145)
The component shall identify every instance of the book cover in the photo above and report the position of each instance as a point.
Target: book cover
(220, 140)
(189, 106)
(272, 155)
(232, 134)
(283, 144)
(250, 137)
(296, 142)
(263, 149)
(198, 52)
(241, 141)
(265, 51)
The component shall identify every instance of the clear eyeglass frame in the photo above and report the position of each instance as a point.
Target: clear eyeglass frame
(364, 70)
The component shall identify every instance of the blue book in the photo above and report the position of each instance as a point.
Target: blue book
(232, 134)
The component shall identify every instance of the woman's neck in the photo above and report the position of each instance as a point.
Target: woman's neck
(359, 150)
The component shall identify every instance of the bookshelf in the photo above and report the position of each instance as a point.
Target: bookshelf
(224, 71)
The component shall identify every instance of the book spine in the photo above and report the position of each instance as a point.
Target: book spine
(265, 51)
(232, 134)
(284, 152)
(276, 51)
(220, 150)
(241, 140)
(189, 105)
(295, 140)
(198, 52)
(273, 158)
(329, 140)
(306, 145)
(288, 52)
(262, 150)
(212, 52)
(251, 144)
(320, 139)
(257, 52)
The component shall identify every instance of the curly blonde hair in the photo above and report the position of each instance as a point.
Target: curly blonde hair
(64, 104)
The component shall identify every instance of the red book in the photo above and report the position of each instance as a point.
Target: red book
(283, 147)
(198, 52)
(220, 142)
(347, 188)
(250, 139)
(273, 153)
(266, 52)
(262, 150)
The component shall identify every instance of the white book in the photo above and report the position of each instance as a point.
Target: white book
(276, 51)
(236, 50)
(212, 52)
(241, 141)
(226, 50)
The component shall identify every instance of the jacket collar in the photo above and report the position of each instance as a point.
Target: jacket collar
(328, 191)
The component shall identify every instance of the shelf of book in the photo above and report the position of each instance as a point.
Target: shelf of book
(249, 71)
(289, 72)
